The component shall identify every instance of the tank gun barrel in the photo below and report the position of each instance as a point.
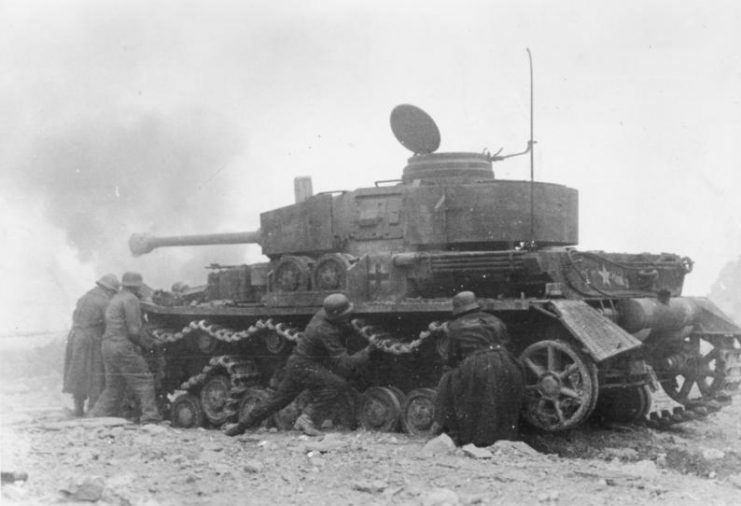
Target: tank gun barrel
(141, 244)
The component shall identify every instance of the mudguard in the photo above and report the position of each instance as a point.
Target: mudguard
(712, 321)
(602, 337)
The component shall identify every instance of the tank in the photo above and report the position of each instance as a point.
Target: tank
(597, 332)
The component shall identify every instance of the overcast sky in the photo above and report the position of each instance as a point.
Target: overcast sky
(178, 116)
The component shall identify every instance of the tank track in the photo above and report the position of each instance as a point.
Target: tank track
(243, 372)
(701, 408)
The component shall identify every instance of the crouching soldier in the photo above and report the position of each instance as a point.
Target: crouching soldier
(319, 363)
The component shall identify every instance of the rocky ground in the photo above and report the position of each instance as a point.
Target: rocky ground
(113, 462)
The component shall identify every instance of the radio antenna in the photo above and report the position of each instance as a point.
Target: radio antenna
(531, 148)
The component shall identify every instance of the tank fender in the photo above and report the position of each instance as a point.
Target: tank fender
(601, 337)
(711, 320)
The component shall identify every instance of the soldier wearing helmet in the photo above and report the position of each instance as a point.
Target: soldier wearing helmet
(84, 374)
(319, 363)
(479, 398)
(123, 342)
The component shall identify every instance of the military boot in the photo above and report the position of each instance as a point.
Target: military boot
(306, 425)
(79, 407)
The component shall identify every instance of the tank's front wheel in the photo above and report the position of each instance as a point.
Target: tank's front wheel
(561, 385)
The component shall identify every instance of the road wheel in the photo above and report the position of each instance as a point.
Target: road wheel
(330, 271)
(214, 397)
(252, 397)
(293, 273)
(418, 412)
(186, 412)
(380, 410)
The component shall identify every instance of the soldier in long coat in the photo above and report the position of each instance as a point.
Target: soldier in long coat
(84, 373)
(479, 398)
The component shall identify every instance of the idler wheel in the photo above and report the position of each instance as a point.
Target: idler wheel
(380, 410)
(418, 411)
(214, 399)
(701, 376)
(561, 386)
(186, 412)
(293, 274)
(330, 271)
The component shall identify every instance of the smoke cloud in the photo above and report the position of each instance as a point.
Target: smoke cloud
(105, 177)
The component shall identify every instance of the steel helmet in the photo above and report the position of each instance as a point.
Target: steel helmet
(109, 281)
(336, 306)
(464, 302)
(132, 280)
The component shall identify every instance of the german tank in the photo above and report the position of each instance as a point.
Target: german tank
(595, 331)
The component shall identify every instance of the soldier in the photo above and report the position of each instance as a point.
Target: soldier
(123, 341)
(319, 362)
(479, 399)
(84, 374)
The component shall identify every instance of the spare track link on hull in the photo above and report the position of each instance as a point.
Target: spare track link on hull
(383, 341)
(225, 334)
(378, 339)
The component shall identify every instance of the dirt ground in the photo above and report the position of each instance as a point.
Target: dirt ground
(113, 462)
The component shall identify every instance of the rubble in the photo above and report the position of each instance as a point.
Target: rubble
(440, 497)
(114, 464)
(373, 487)
(89, 489)
(439, 445)
(476, 452)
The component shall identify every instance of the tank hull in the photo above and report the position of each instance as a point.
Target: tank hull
(594, 331)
